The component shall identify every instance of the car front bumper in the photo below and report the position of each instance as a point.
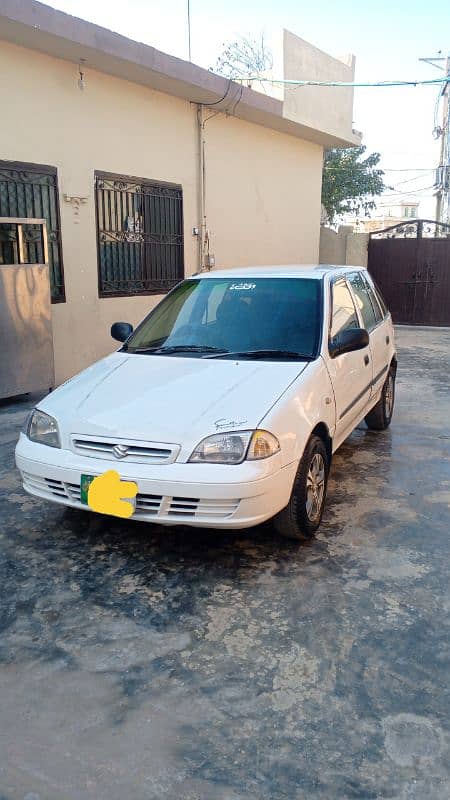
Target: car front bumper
(202, 495)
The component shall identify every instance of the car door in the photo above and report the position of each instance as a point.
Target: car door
(350, 373)
(375, 323)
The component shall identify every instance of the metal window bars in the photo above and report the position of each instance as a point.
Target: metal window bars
(139, 235)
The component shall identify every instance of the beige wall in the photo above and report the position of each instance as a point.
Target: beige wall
(357, 249)
(343, 247)
(332, 248)
(325, 108)
(262, 194)
(263, 187)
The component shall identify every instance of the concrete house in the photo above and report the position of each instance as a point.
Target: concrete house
(148, 168)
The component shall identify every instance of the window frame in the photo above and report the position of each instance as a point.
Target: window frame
(112, 176)
(410, 211)
(45, 169)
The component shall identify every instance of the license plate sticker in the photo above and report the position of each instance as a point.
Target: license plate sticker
(112, 497)
(85, 482)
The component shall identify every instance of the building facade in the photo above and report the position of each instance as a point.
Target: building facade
(389, 215)
(147, 169)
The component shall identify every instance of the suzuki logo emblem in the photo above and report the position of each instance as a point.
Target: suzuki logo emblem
(120, 450)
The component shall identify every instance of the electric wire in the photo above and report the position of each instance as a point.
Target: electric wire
(383, 169)
(416, 191)
(348, 84)
(216, 103)
(410, 180)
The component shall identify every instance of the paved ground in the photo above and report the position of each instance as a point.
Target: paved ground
(141, 663)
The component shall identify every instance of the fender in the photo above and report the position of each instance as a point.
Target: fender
(307, 402)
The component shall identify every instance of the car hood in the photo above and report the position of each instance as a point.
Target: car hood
(166, 398)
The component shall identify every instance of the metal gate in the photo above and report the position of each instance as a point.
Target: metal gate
(410, 262)
(31, 190)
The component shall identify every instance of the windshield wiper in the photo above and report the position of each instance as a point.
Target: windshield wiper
(180, 348)
(157, 344)
(281, 354)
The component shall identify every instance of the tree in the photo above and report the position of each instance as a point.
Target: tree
(350, 182)
(244, 58)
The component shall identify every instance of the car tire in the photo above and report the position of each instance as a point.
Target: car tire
(302, 515)
(379, 418)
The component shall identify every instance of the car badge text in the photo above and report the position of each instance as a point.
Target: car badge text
(231, 423)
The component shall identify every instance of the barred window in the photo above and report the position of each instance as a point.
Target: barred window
(139, 235)
(31, 190)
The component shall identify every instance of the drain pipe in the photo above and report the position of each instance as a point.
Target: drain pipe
(205, 259)
(201, 192)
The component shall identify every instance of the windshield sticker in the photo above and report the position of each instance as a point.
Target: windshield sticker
(232, 423)
(242, 286)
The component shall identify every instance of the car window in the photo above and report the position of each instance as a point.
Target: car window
(374, 300)
(363, 301)
(235, 315)
(378, 295)
(343, 314)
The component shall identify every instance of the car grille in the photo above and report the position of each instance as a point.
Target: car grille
(125, 450)
(146, 504)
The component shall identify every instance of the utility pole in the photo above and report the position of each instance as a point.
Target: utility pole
(443, 206)
(443, 172)
(189, 28)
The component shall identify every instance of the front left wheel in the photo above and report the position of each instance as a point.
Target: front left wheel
(302, 516)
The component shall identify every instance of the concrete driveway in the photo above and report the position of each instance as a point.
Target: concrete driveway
(144, 663)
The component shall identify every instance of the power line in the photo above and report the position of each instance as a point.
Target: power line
(383, 169)
(410, 180)
(409, 169)
(432, 60)
(413, 192)
(392, 193)
(368, 84)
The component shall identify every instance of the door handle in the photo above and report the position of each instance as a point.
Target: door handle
(387, 340)
(366, 360)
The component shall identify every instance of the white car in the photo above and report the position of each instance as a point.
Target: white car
(226, 403)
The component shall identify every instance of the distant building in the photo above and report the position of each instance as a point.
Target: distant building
(389, 215)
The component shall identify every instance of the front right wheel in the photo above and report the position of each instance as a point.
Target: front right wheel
(302, 515)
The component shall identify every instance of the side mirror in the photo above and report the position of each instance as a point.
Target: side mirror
(121, 331)
(348, 341)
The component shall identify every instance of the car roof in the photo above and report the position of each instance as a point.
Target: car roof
(279, 271)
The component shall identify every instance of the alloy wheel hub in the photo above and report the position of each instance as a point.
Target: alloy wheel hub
(315, 487)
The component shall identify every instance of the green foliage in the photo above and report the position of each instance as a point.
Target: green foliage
(350, 182)
(244, 58)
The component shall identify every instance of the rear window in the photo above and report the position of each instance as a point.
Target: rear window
(378, 295)
(369, 311)
(343, 314)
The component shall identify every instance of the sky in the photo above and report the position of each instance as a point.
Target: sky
(387, 37)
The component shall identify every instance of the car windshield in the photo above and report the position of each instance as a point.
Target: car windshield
(269, 318)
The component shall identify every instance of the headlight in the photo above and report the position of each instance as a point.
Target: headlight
(43, 429)
(233, 448)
